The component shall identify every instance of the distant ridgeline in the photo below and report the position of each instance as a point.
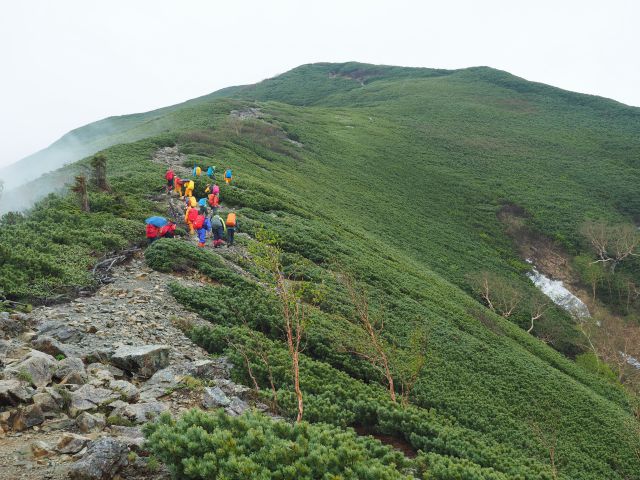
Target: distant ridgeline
(395, 175)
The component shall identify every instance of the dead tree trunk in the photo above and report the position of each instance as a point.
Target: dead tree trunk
(80, 189)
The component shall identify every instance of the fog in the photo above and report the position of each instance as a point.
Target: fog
(70, 62)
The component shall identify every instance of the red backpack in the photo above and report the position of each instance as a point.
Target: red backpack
(198, 222)
(214, 200)
(169, 175)
(192, 215)
(170, 228)
(152, 231)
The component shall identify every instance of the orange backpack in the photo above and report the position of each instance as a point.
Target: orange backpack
(231, 220)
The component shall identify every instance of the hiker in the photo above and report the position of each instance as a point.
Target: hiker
(232, 225)
(214, 202)
(177, 186)
(202, 226)
(190, 216)
(228, 176)
(211, 171)
(170, 178)
(168, 231)
(189, 185)
(212, 188)
(202, 207)
(152, 233)
(218, 227)
(196, 171)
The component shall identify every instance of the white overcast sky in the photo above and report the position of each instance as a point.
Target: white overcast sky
(65, 63)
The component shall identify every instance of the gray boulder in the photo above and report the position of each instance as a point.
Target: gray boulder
(11, 326)
(131, 436)
(60, 331)
(88, 423)
(67, 366)
(26, 417)
(13, 392)
(102, 461)
(89, 397)
(159, 384)
(143, 360)
(237, 407)
(38, 367)
(214, 397)
(46, 402)
(71, 443)
(52, 346)
(141, 412)
(128, 391)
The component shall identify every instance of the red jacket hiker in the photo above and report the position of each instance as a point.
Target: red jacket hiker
(170, 177)
(152, 233)
(168, 231)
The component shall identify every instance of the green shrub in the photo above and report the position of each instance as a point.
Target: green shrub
(203, 445)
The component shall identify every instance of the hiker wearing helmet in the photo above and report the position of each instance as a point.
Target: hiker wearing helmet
(228, 176)
(218, 227)
(170, 179)
(189, 185)
(232, 225)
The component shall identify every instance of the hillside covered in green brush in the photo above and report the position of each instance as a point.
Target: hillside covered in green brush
(397, 177)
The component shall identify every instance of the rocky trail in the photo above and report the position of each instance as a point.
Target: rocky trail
(78, 380)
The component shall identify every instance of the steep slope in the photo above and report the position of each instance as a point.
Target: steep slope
(395, 175)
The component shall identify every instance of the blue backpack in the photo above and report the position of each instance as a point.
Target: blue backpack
(228, 173)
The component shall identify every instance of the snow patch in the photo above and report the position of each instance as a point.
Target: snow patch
(559, 294)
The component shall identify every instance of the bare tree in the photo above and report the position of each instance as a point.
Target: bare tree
(612, 243)
(374, 350)
(537, 309)
(267, 256)
(410, 364)
(617, 343)
(80, 189)
(99, 165)
(496, 292)
(548, 438)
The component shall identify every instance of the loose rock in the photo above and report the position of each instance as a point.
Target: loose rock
(214, 397)
(12, 392)
(71, 443)
(143, 360)
(88, 423)
(103, 460)
(89, 397)
(141, 412)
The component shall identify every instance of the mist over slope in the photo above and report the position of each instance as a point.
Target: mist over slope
(398, 176)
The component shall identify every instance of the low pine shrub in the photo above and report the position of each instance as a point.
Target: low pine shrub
(203, 445)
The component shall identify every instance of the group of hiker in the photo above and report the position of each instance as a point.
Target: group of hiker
(201, 216)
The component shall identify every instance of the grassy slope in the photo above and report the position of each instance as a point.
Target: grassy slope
(401, 179)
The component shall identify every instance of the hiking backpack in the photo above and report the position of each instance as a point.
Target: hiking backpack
(198, 222)
(231, 220)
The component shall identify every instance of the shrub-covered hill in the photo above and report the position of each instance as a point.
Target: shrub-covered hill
(395, 175)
